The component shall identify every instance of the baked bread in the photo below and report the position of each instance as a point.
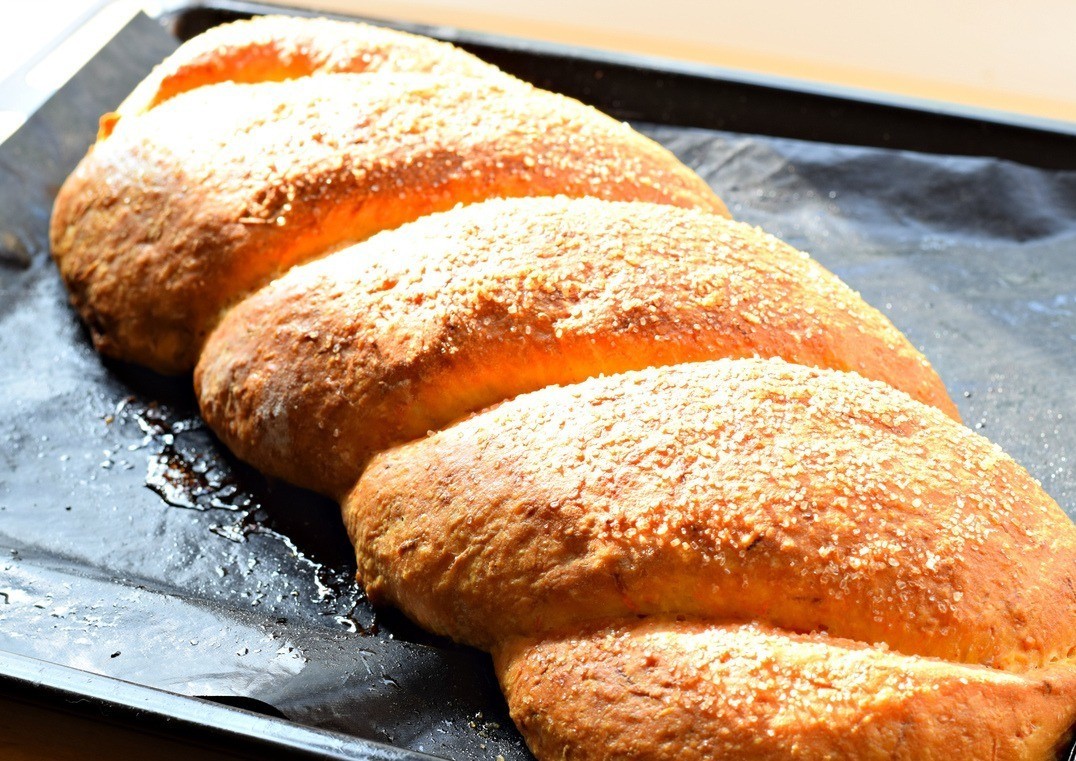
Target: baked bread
(174, 217)
(695, 496)
(379, 343)
(735, 559)
(664, 687)
(736, 490)
(276, 48)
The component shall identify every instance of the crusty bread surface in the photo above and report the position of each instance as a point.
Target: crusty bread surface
(693, 690)
(735, 490)
(378, 344)
(797, 563)
(171, 220)
(275, 48)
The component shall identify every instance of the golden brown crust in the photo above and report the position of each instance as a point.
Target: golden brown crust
(736, 490)
(693, 690)
(406, 332)
(167, 223)
(275, 48)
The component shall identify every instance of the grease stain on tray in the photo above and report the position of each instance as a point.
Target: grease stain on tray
(187, 469)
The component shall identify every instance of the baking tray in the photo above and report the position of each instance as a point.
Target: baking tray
(200, 602)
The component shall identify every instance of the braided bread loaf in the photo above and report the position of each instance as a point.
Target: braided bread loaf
(619, 445)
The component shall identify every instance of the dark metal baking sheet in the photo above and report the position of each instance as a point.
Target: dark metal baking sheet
(132, 545)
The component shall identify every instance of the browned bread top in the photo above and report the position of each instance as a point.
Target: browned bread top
(737, 490)
(275, 48)
(189, 207)
(408, 331)
(696, 690)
